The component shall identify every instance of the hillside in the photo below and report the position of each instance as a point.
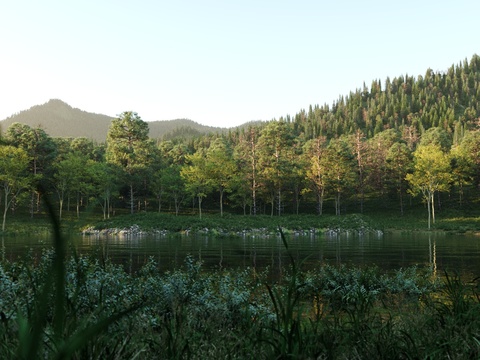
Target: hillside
(447, 99)
(59, 119)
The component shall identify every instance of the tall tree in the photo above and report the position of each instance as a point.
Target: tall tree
(40, 148)
(222, 167)
(431, 174)
(359, 149)
(469, 149)
(340, 171)
(69, 177)
(398, 163)
(13, 175)
(197, 178)
(376, 161)
(174, 186)
(128, 147)
(246, 158)
(276, 158)
(314, 153)
(104, 184)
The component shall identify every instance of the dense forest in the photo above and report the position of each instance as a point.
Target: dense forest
(393, 145)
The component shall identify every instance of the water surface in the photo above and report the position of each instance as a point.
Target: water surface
(388, 251)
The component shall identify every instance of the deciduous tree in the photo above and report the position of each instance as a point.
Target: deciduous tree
(431, 174)
(197, 178)
(13, 175)
(221, 167)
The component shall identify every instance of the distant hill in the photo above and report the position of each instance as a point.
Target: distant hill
(59, 119)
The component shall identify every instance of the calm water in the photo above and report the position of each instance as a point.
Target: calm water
(388, 251)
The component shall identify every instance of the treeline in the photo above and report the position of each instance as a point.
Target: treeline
(416, 137)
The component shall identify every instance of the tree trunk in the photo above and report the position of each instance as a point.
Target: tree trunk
(429, 208)
(78, 206)
(5, 212)
(320, 202)
(221, 201)
(200, 206)
(279, 202)
(32, 204)
(337, 203)
(433, 208)
(60, 209)
(104, 209)
(131, 199)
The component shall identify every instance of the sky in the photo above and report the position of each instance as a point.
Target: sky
(220, 63)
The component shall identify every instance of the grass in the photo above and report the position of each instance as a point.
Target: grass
(216, 225)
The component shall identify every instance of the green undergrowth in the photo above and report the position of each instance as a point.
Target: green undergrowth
(103, 311)
(236, 223)
(448, 219)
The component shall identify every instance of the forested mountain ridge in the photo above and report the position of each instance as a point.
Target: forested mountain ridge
(448, 99)
(59, 119)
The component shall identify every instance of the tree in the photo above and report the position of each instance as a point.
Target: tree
(276, 160)
(246, 158)
(431, 174)
(69, 175)
(221, 167)
(314, 153)
(398, 163)
(340, 174)
(104, 184)
(359, 149)
(376, 160)
(197, 178)
(41, 150)
(469, 149)
(128, 147)
(13, 175)
(461, 169)
(437, 136)
(173, 185)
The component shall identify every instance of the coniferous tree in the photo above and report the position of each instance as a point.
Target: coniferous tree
(129, 148)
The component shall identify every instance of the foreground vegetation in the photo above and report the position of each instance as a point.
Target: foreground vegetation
(98, 310)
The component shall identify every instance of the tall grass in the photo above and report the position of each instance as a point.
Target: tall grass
(45, 331)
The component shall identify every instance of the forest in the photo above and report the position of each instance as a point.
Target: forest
(396, 144)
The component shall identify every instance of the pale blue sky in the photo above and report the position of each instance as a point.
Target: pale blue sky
(220, 63)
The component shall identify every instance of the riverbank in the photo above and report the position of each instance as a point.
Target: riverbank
(154, 223)
(260, 225)
(268, 225)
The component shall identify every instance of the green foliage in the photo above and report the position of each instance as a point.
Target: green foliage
(432, 174)
(13, 175)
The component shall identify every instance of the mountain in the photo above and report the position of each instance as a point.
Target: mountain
(59, 119)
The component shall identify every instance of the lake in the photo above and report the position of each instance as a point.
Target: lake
(391, 250)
